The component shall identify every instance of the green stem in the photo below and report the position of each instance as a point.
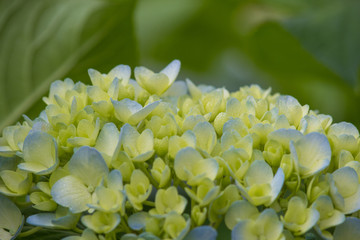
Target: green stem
(217, 223)
(178, 182)
(125, 226)
(142, 167)
(77, 230)
(111, 235)
(149, 203)
(193, 203)
(23, 204)
(182, 185)
(30, 232)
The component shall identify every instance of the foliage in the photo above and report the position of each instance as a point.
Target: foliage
(42, 41)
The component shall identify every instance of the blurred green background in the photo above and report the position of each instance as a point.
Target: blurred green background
(308, 49)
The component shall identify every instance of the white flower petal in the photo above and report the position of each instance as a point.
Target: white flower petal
(284, 136)
(259, 172)
(240, 210)
(95, 77)
(195, 92)
(122, 72)
(107, 140)
(277, 184)
(244, 231)
(172, 70)
(72, 193)
(205, 136)
(125, 108)
(40, 153)
(343, 128)
(336, 219)
(143, 113)
(88, 165)
(352, 203)
(115, 180)
(271, 225)
(189, 165)
(312, 153)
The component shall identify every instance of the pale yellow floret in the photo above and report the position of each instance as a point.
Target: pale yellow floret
(222, 202)
(205, 192)
(167, 201)
(157, 83)
(139, 147)
(299, 218)
(13, 139)
(266, 226)
(175, 226)
(138, 190)
(161, 172)
(260, 185)
(101, 222)
(15, 183)
(190, 166)
(40, 153)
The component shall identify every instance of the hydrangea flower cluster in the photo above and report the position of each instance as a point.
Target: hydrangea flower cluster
(155, 158)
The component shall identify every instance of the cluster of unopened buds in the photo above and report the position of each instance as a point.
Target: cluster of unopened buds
(155, 158)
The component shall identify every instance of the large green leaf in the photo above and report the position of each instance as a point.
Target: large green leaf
(42, 41)
(331, 33)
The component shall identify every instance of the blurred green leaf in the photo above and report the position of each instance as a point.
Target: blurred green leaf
(42, 41)
(223, 231)
(297, 72)
(331, 33)
(202, 38)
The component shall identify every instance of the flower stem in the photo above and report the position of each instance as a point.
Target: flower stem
(142, 167)
(125, 226)
(149, 203)
(30, 232)
(77, 230)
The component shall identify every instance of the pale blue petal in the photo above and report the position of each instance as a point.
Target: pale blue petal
(42, 220)
(115, 180)
(203, 232)
(349, 230)
(137, 221)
